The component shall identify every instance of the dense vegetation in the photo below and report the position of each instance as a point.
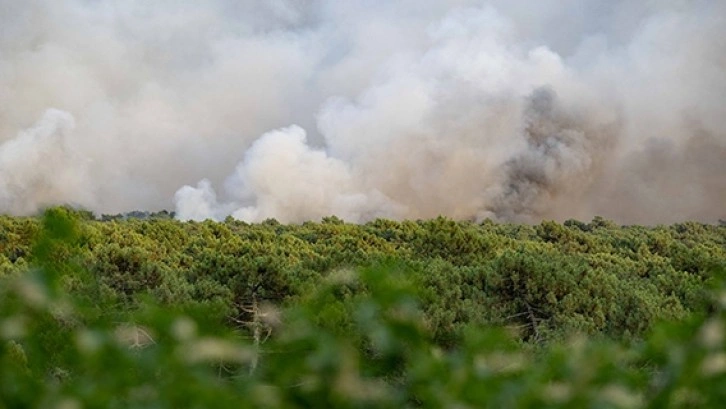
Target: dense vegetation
(159, 313)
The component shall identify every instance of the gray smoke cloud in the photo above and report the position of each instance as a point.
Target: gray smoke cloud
(512, 110)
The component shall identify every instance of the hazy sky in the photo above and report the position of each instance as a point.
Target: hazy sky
(512, 110)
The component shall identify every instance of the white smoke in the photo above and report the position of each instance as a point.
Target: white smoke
(471, 109)
(285, 178)
(41, 166)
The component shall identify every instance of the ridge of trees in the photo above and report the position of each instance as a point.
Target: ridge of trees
(134, 312)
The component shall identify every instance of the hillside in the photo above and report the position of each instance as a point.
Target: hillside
(378, 305)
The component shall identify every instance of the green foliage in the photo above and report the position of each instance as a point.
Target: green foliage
(158, 313)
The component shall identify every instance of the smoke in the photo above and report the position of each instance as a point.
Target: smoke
(297, 110)
(63, 175)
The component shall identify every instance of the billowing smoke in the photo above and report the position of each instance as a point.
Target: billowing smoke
(43, 160)
(296, 110)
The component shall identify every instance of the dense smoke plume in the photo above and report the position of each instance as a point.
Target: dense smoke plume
(512, 110)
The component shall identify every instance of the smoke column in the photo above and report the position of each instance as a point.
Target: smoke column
(300, 109)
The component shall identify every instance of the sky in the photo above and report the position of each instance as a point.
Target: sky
(296, 110)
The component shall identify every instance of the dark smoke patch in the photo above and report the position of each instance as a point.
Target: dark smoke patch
(563, 156)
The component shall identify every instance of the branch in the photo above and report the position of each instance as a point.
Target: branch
(533, 321)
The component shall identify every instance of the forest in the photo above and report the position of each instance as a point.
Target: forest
(117, 312)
